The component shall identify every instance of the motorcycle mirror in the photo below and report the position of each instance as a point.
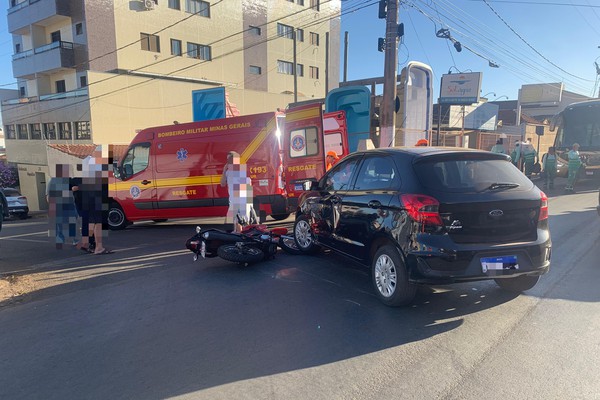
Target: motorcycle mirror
(198, 229)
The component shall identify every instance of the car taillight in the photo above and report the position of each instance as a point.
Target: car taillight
(22, 198)
(421, 208)
(543, 207)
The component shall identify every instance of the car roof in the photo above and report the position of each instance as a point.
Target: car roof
(423, 151)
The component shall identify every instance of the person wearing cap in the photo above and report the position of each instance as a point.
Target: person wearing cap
(422, 142)
(331, 159)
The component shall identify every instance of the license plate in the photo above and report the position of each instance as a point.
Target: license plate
(203, 249)
(499, 263)
(298, 188)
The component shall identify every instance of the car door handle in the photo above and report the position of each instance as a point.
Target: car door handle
(374, 204)
(145, 182)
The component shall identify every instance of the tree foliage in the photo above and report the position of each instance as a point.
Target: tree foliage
(8, 176)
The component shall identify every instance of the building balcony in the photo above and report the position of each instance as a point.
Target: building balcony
(47, 58)
(23, 13)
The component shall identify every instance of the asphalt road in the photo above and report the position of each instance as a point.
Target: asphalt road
(148, 323)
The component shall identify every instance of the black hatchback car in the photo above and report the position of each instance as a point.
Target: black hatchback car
(429, 215)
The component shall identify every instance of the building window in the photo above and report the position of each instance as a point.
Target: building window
(254, 70)
(314, 72)
(314, 38)
(315, 4)
(10, 131)
(60, 86)
(83, 81)
(285, 31)
(300, 35)
(299, 69)
(255, 30)
(198, 51)
(175, 4)
(22, 132)
(64, 131)
(284, 67)
(198, 7)
(22, 91)
(36, 131)
(49, 131)
(175, 47)
(79, 28)
(18, 48)
(150, 42)
(300, 2)
(55, 36)
(82, 130)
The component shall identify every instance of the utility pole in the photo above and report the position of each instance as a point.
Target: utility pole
(295, 68)
(387, 134)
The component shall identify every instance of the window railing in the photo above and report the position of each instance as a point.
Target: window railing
(44, 48)
(65, 95)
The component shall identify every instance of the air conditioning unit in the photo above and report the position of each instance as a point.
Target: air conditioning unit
(149, 4)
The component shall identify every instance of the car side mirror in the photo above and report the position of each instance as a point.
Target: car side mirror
(310, 185)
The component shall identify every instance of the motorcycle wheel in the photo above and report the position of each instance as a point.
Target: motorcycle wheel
(243, 255)
(288, 244)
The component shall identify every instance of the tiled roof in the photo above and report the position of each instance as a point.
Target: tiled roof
(84, 150)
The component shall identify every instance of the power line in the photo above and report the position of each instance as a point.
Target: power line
(541, 3)
(530, 46)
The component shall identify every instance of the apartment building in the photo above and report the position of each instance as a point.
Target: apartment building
(92, 71)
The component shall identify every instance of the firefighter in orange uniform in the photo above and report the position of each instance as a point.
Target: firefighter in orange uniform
(331, 159)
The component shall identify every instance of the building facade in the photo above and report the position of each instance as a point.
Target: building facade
(92, 71)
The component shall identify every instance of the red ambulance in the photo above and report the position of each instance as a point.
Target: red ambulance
(174, 171)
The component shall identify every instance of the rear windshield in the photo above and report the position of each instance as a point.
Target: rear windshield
(472, 175)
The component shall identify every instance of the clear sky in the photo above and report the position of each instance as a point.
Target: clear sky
(531, 41)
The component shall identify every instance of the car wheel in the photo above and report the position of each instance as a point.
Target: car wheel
(116, 217)
(23, 216)
(304, 236)
(390, 278)
(518, 284)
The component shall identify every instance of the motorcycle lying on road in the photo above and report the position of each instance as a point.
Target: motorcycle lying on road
(254, 243)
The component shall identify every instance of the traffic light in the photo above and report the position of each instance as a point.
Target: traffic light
(382, 9)
(400, 30)
(381, 44)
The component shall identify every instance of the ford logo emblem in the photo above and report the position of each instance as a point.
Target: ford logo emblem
(496, 213)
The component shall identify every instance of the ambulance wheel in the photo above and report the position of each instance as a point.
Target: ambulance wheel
(280, 217)
(242, 255)
(116, 217)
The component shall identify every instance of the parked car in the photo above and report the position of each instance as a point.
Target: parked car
(429, 216)
(3, 208)
(17, 203)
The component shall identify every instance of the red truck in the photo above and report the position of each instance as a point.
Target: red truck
(174, 171)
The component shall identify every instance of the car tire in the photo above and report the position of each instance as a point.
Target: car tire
(116, 218)
(303, 235)
(518, 284)
(23, 216)
(390, 278)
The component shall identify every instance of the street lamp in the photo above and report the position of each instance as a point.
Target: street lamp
(498, 98)
(485, 95)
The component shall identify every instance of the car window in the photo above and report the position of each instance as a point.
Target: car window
(469, 175)
(11, 192)
(377, 173)
(340, 176)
